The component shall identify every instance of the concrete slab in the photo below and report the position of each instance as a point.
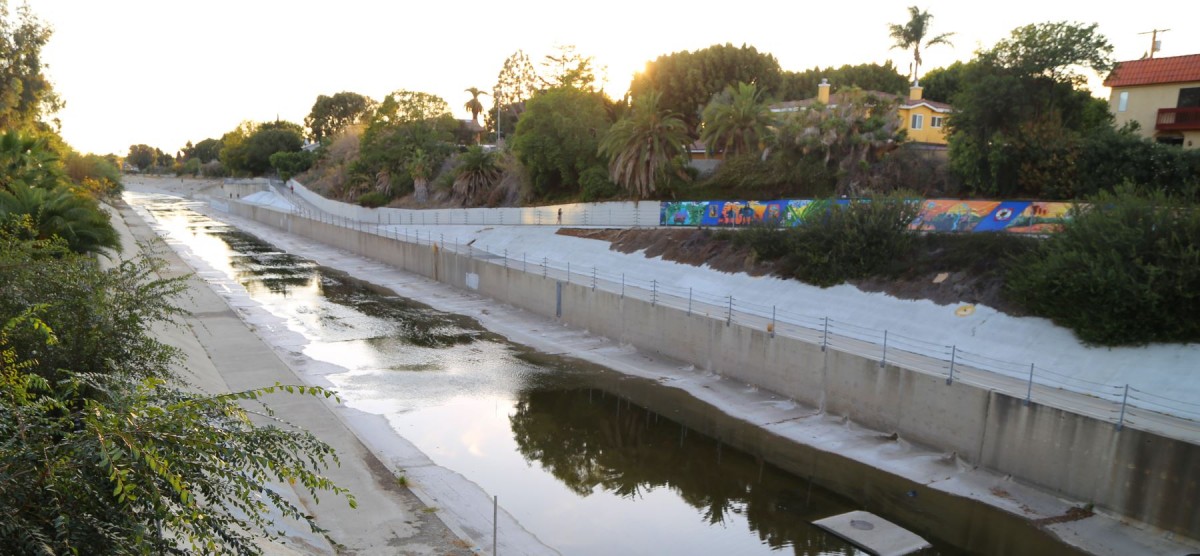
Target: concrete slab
(873, 533)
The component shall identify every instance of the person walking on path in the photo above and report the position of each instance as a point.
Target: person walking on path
(560, 215)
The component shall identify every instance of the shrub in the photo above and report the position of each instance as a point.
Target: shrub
(838, 243)
(595, 185)
(372, 199)
(1125, 272)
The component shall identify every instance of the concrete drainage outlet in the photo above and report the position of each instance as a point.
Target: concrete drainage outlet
(862, 525)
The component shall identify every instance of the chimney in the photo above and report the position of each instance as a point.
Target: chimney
(914, 92)
(823, 91)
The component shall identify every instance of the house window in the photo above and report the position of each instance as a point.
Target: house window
(936, 121)
(918, 121)
(1123, 101)
(1189, 98)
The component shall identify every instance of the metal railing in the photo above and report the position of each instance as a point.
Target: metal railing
(1121, 404)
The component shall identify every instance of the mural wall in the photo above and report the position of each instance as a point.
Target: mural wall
(937, 215)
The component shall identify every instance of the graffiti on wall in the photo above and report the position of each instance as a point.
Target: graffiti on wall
(936, 215)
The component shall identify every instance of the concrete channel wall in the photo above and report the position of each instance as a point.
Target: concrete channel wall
(1140, 475)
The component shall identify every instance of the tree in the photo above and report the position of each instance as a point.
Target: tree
(558, 137)
(141, 156)
(847, 138)
(912, 35)
(26, 95)
(207, 150)
(248, 148)
(688, 81)
(737, 121)
(516, 83)
(26, 158)
(103, 455)
(405, 126)
(474, 106)
(570, 70)
(330, 115)
(869, 77)
(643, 145)
(476, 173)
(58, 212)
(943, 84)
(1020, 116)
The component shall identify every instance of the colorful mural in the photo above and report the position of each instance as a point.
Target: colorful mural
(936, 215)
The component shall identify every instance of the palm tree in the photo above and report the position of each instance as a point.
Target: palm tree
(476, 172)
(644, 144)
(61, 211)
(474, 106)
(420, 167)
(912, 35)
(736, 121)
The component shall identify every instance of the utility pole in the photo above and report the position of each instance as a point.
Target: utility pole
(1154, 39)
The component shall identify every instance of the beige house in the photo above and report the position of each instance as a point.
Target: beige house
(1162, 95)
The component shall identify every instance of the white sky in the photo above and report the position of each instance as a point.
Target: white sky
(164, 72)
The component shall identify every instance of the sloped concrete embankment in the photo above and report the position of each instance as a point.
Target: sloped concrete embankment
(1137, 474)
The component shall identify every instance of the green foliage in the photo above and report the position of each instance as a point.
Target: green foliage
(737, 121)
(847, 139)
(26, 95)
(331, 115)
(942, 84)
(100, 454)
(248, 149)
(1109, 158)
(373, 199)
(1019, 118)
(207, 150)
(91, 168)
(289, 164)
(558, 139)
(568, 69)
(868, 77)
(688, 81)
(1125, 272)
(839, 243)
(28, 159)
(595, 185)
(474, 106)
(645, 145)
(405, 126)
(477, 172)
(142, 156)
(516, 83)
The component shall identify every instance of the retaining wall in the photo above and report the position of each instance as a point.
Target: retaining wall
(1133, 473)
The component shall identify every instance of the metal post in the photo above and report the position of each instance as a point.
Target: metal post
(524, 265)
(772, 321)
(825, 334)
(729, 315)
(883, 361)
(653, 291)
(543, 267)
(568, 272)
(495, 523)
(1124, 403)
(506, 258)
(689, 302)
(593, 277)
(1029, 390)
(622, 285)
(953, 357)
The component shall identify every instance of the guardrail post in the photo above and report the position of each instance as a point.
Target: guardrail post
(543, 267)
(689, 302)
(953, 356)
(825, 334)
(437, 217)
(883, 361)
(593, 277)
(622, 285)
(506, 258)
(653, 291)
(729, 315)
(1124, 403)
(442, 240)
(772, 321)
(1029, 389)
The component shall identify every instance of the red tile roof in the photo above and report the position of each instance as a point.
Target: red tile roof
(1153, 71)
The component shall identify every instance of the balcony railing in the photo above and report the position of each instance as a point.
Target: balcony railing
(1178, 119)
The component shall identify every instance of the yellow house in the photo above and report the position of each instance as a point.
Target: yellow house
(923, 120)
(1162, 95)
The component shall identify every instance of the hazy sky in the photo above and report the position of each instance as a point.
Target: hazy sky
(163, 72)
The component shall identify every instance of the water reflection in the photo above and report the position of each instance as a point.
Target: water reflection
(591, 440)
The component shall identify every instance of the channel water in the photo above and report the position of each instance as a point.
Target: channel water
(591, 461)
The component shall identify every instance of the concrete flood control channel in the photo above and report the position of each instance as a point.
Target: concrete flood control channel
(589, 460)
